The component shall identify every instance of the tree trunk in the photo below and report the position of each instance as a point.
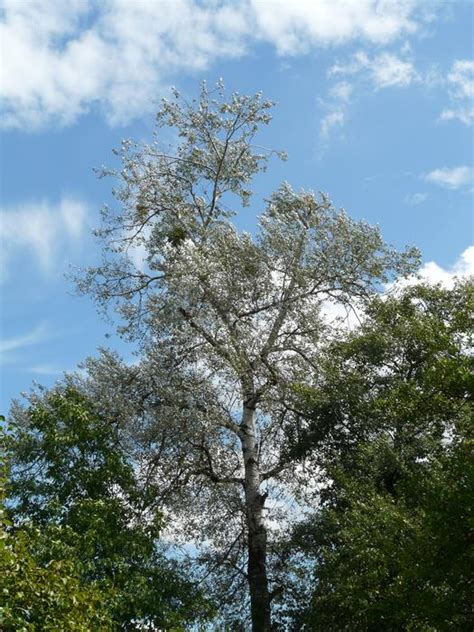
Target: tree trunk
(257, 531)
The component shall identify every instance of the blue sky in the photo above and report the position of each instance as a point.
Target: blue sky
(374, 107)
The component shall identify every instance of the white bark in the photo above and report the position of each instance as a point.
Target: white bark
(257, 530)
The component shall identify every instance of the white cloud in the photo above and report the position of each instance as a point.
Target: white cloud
(44, 369)
(397, 70)
(16, 351)
(432, 273)
(294, 27)
(116, 53)
(335, 108)
(348, 317)
(334, 118)
(382, 71)
(41, 229)
(385, 70)
(389, 71)
(138, 255)
(120, 54)
(413, 199)
(451, 178)
(37, 335)
(341, 91)
(461, 92)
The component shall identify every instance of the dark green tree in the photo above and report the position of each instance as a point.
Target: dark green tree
(389, 548)
(73, 486)
(34, 596)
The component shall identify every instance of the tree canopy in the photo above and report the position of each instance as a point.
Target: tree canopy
(237, 314)
(390, 542)
(47, 597)
(75, 490)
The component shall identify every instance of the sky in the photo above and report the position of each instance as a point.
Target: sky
(374, 105)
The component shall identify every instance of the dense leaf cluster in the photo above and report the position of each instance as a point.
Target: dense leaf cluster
(390, 543)
(78, 507)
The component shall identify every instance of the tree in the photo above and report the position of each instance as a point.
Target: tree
(390, 544)
(73, 492)
(227, 320)
(47, 597)
(53, 597)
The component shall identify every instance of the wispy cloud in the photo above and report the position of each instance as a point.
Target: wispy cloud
(341, 91)
(41, 229)
(386, 70)
(37, 335)
(44, 369)
(335, 108)
(126, 52)
(413, 199)
(20, 352)
(334, 117)
(461, 92)
(451, 177)
(390, 69)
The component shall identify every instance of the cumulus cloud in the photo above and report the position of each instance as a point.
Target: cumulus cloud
(461, 92)
(462, 268)
(293, 27)
(451, 178)
(120, 54)
(432, 273)
(116, 53)
(40, 229)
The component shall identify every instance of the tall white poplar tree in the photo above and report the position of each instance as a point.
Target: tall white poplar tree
(228, 321)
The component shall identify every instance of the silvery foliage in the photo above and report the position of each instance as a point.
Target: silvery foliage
(219, 313)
